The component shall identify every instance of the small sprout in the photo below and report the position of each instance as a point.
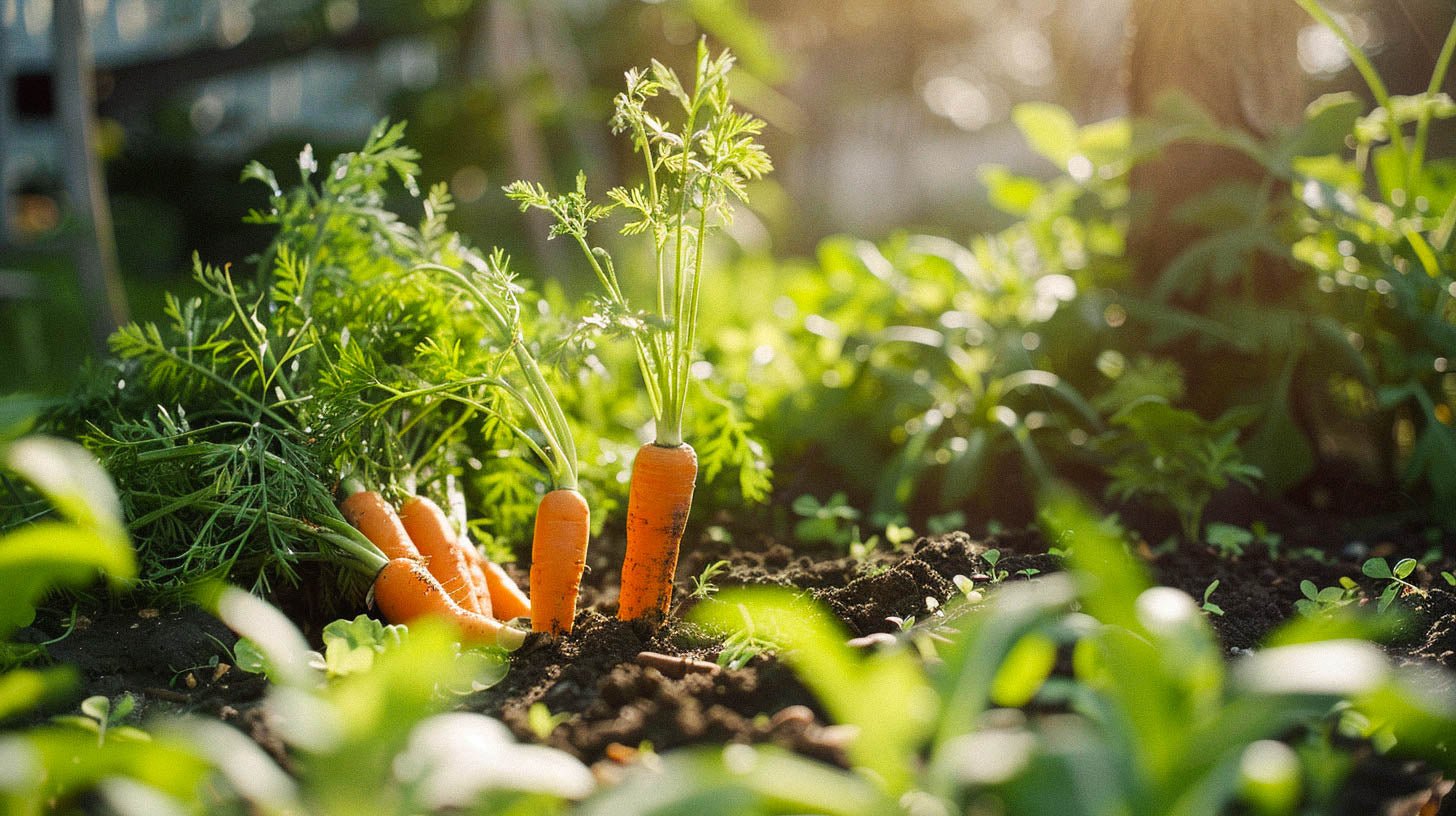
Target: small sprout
(1029, 572)
(1318, 601)
(1449, 577)
(1209, 606)
(542, 722)
(1395, 578)
(898, 534)
(992, 558)
(703, 586)
(1228, 540)
(860, 550)
(964, 584)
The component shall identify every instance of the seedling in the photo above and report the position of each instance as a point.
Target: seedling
(1229, 540)
(542, 722)
(1394, 577)
(992, 558)
(703, 586)
(967, 588)
(824, 522)
(860, 550)
(99, 715)
(740, 647)
(1028, 573)
(1450, 578)
(1318, 601)
(1208, 605)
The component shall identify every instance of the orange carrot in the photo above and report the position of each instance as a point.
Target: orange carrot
(658, 501)
(406, 591)
(430, 529)
(507, 599)
(558, 557)
(368, 511)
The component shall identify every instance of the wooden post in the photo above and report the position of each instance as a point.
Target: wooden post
(102, 295)
(1239, 60)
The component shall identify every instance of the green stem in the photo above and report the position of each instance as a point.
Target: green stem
(1423, 124)
(1373, 80)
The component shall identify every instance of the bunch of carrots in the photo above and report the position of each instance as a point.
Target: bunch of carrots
(433, 571)
(695, 171)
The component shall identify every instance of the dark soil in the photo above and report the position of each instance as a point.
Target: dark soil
(616, 702)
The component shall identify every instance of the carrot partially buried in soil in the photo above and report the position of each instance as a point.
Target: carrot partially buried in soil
(430, 530)
(406, 591)
(658, 502)
(695, 169)
(558, 558)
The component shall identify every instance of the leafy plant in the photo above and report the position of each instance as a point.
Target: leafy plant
(1228, 540)
(1317, 601)
(1176, 457)
(1395, 578)
(824, 523)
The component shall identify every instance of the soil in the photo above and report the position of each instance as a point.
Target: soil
(616, 701)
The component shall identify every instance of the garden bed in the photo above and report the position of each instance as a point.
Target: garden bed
(610, 698)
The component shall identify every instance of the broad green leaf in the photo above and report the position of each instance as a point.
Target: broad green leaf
(1049, 129)
(21, 690)
(1023, 671)
(1404, 568)
(69, 477)
(40, 556)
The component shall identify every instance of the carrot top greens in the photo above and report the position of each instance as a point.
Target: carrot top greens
(698, 162)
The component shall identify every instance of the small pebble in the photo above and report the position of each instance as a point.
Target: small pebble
(190, 680)
(222, 668)
(147, 614)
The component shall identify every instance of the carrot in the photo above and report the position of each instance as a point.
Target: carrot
(368, 511)
(406, 591)
(445, 557)
(658, 501)
(507, 598)
(558, 557)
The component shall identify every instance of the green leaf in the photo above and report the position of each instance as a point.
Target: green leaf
(1376, 568)
(1049, 129)
(22, 690)
(1010, 193)
(1023, 671)
(69, 477)
(1388, 597)
(351, 646)
(46, 554)
(1309, 589)
(1404, 567)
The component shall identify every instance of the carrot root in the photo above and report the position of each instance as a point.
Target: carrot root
(507, 598)
(430, 530)
(658, 502)
(368, 511)
(558, 558)
(406, 591)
